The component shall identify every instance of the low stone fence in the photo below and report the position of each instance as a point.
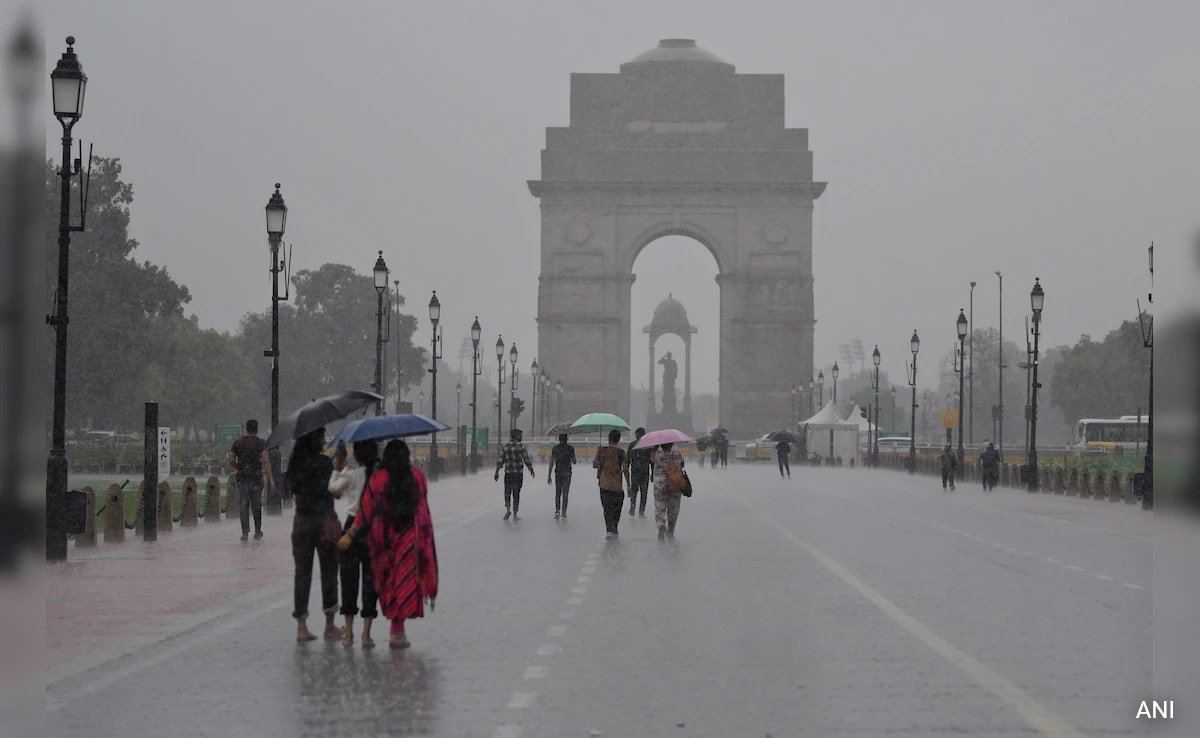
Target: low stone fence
(107, 515)
(1063, 480)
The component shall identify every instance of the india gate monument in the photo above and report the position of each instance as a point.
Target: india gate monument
(678, 143)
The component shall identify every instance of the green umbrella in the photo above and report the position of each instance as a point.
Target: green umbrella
(598, 423)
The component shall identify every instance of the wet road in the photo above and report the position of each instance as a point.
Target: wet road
(839, 603)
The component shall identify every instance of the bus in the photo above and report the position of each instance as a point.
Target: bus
(1127, 432)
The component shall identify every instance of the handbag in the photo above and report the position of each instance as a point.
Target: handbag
(676, 479)
(686, 491)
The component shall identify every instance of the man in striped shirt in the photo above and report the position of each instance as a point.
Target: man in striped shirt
(512, 457)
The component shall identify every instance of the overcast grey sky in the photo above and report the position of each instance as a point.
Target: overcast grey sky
(1035, 138)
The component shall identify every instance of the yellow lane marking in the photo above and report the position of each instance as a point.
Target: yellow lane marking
(1037, 715)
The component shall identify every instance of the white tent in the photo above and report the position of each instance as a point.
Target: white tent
(858, 417)
(830, 437)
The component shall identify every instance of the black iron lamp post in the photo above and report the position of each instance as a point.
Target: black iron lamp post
(513, 355)
(795, 404)
(276, 223)
(961, 325)
(835, 373)
(535, 381)
(558, 386)
(68, 84)
(914, 345)
(435, 315)
(499, 391)
(812, 392)
(1037, 300)
(821, 388)
(381, 274)
(875, 359)
(476, 370)
(893, 408)
(460, 442)
(545, 380)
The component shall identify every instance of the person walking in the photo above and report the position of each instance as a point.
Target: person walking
(354, 564)
(724, 446)
(314, 530)
(562, 458)
(610, 467)
(783, 449)
(666, 495)
(949, 464)
(989, 460)
(512, 457)
(395, 513)
(249, 458)
(639, 462)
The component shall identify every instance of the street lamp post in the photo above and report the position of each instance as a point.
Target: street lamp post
(513, 355)
(971, 368)
(381, 279)
(499, 390)
(545, 380)
(812, 392)
(476, 370)
(914, 345)
(558, 386)
(459, 440)
(534, 381)
(893, 408)
(835, 373)
(875, 359)
(276, 211)
(821, 387)
(1037, 300)
(1000, 373)
(435, 315)
(68, 84)
(961, 325)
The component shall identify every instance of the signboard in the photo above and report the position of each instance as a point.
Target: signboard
(950, 418)
(225, 435)
(164, 452)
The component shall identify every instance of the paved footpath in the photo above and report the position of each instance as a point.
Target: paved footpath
(839, 603)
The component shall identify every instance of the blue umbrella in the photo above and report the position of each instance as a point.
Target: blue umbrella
(382, 427)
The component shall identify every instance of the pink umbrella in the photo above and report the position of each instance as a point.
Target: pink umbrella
(659, 437)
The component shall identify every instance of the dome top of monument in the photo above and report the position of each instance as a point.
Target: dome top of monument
(670, 310)
(677, 50)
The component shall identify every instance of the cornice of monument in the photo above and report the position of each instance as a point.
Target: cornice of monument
(540, 187)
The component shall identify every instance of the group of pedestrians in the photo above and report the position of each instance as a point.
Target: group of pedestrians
(620, 473)
(382, 544)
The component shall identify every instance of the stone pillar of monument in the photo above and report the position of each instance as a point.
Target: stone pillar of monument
(687, 375)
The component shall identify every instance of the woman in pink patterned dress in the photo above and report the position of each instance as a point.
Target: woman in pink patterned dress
(395, 514)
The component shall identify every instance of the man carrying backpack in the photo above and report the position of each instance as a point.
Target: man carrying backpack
(610, 467)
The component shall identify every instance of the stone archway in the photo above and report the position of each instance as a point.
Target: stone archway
(678, 143)
(670, 319)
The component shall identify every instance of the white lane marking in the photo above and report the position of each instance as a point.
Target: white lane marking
(1029, 553)
(1053, 561)
(508, 731)
(521, 700)
(1103, 577)
(584, 579)
(1072, 567)
(537, 671)
(1132, 586)
(566, 615)
(556, 631)
(548, 649)
(574, 600)
(579, 590)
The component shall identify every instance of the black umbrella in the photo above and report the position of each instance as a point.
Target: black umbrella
(778, 436)
(718, 432)
(318, 413)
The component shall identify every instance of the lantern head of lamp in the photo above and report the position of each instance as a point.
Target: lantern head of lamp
(533, 369)
(914, 343)
(476, 332)
(499, 348)
(1037, 300)
(821, 378)
(513, 355)
(558, 386)
(276, 215)
(875, 358)
(68, 84)
(811, 384)
(381, 274)
(961, 324)
(835, 371)
(435, 309)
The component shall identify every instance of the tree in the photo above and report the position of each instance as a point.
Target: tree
(327, 338)
(1104, 379)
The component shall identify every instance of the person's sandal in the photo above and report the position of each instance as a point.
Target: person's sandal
(368, 642)
(399, 644)
(348, 639)
(336, 634)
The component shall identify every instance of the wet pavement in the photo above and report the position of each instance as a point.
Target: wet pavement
(841, 602)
